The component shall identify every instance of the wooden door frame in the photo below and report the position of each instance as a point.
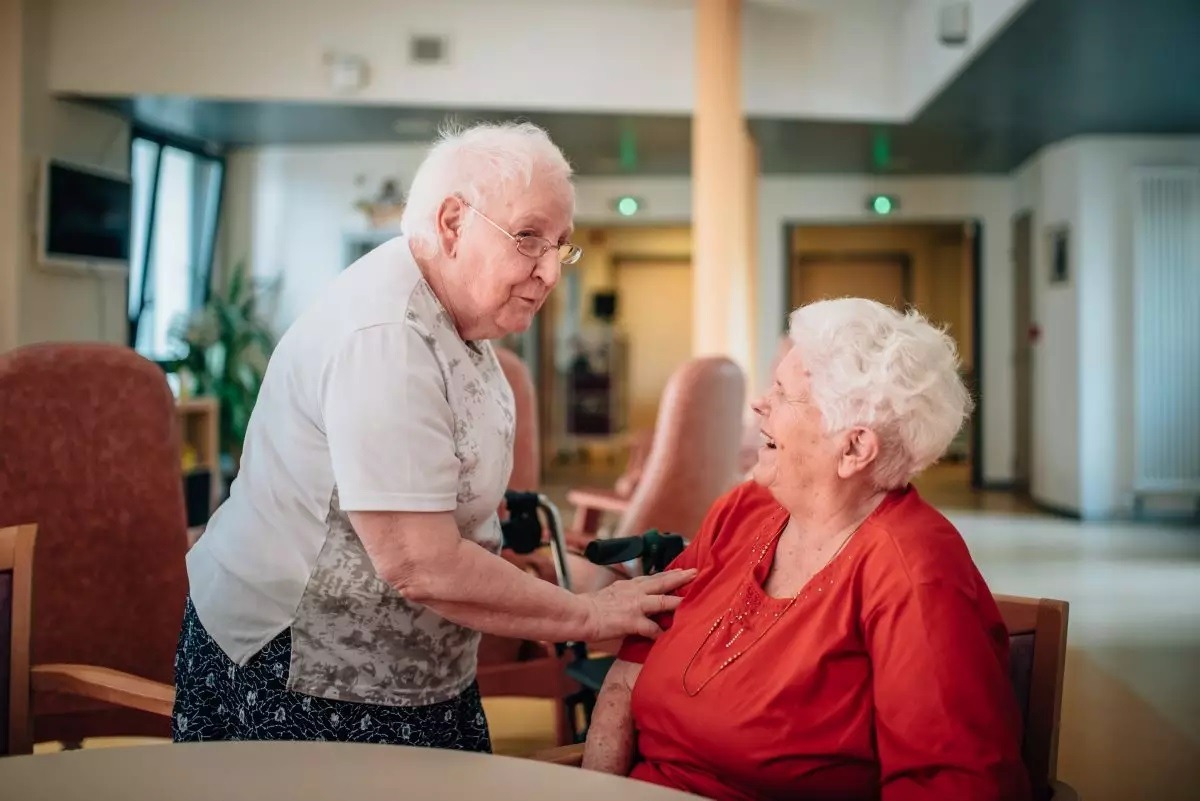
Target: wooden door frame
(790, 227)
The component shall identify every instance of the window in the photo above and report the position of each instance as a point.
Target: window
(176, 204)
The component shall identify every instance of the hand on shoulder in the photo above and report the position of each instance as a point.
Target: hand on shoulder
(628, 607)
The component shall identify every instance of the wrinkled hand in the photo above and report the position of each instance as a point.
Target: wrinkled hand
(626, 607)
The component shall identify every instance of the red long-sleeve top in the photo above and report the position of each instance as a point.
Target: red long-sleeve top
(887, 678)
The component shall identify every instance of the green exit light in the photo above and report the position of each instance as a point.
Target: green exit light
(882, 204)
(627, 206)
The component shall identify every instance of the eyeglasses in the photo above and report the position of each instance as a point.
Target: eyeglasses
(534, 246)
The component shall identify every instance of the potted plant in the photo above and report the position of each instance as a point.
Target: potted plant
(226, 345)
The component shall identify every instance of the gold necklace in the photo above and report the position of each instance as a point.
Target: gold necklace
(746, 611)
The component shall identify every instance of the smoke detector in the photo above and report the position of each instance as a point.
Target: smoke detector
(347, 72)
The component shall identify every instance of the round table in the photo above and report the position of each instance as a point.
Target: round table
(300, 771)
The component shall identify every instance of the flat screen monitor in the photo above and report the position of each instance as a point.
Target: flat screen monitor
(87, 216)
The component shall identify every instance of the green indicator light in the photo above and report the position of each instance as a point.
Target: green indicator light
(627, 206)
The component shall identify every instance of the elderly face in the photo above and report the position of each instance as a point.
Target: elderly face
(499, 288)
(799, 459)
(796, 451)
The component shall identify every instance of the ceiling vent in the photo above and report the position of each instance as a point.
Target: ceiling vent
(428, 49)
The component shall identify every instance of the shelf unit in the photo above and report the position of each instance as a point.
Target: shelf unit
(200, 443)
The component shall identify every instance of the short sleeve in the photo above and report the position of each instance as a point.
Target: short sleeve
(389, 425)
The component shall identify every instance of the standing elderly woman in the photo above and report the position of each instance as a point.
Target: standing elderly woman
(838, 641)
(340, 591)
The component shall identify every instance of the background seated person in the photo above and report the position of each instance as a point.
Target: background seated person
(838, 641)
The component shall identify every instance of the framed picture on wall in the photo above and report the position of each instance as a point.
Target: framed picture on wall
(1060, 256)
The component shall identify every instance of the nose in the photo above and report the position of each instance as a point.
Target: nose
(759, 405)
(548, 268)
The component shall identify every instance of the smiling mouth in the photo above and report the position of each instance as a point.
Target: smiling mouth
(768, 441)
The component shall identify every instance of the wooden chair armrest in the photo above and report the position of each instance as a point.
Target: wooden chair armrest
(104, 684)
(599, 499)
(569, 755)
(590, 505)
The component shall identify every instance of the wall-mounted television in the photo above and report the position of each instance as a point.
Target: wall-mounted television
(87, 217)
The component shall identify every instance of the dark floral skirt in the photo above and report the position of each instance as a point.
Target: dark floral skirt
(215, 699)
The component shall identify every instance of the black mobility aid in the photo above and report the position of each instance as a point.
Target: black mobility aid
(523, 533)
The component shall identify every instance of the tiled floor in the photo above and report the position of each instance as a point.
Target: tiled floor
(1131, 708)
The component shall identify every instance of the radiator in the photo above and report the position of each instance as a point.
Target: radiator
(1166, 347)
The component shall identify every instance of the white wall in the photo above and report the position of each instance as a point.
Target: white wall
(929, 65)
(837, 60)
(11, 96)
(289, 208)
(62, 305)
(1084, 377)
(842, 65)
(1106, 292)
(1049, 187)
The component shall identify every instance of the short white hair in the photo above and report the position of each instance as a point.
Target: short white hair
(479, 163)
(870, 365)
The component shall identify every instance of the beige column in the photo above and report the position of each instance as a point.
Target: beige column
(750, 246)
(11, 169)
(722, 226)
(716, 149)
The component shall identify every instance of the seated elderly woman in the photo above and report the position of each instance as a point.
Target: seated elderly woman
(838, 641)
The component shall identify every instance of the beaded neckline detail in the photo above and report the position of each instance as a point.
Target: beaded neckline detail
(751, 599)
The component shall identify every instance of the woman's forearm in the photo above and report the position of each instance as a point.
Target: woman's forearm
(426, 560)
(489, 594)
(424, 557)
(611, 736)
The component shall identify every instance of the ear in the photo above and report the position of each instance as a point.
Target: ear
(860, 449)
(449, 222)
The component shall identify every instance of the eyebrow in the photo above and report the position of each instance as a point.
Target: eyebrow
(539, 221)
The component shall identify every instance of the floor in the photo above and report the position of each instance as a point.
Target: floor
(1131, 693)
(1131, 698)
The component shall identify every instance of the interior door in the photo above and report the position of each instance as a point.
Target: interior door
(654, 311)
(817, 278)
(1023, 347)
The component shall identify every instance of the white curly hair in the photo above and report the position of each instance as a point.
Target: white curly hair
(895, 373)
(479, 163)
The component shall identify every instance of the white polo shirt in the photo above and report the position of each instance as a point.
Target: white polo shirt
(371, 402)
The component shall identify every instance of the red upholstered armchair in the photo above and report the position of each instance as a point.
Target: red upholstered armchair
(21, 681)
(692, 459)
(91, 457)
